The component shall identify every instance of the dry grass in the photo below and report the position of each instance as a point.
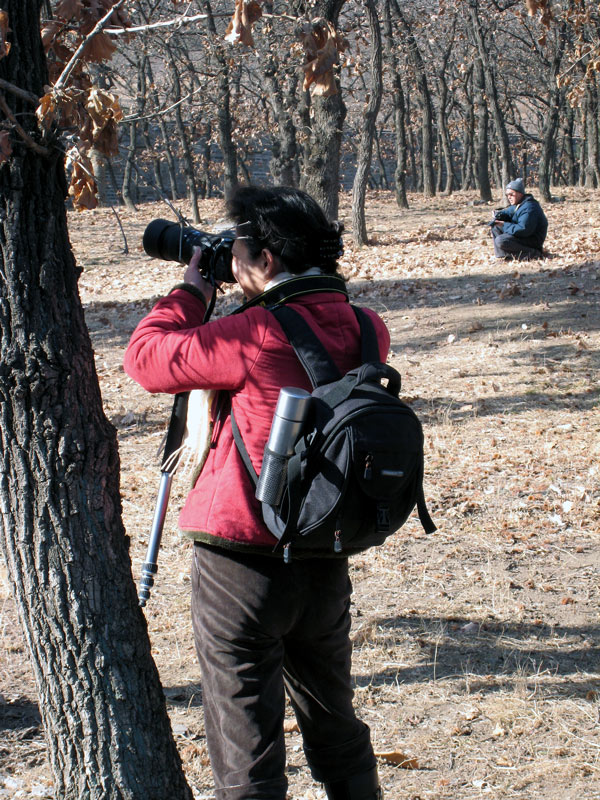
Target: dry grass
(476, 649)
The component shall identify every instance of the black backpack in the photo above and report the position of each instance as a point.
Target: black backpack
(357, 469)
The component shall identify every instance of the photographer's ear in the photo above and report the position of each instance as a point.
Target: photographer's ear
(272, 264)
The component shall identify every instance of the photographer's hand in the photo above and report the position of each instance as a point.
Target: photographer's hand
(193, 276)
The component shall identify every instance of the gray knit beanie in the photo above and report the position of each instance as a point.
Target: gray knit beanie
(517, 185)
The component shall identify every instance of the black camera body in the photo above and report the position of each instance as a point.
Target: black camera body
(499, 214)
(174, 242)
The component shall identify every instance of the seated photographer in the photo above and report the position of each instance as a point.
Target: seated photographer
(262, 627)
(519, 231)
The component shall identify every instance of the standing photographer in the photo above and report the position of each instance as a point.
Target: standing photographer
(261, 625)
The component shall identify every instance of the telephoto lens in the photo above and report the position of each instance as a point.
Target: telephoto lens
(171, 241)
(291, 411)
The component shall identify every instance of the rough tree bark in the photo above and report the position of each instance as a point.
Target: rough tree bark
(365, 146)
(398, 107)
(224, 118)
(482, 170)
(281, 91)
(101, 702)
(322, 147)
(427, 136)
(552, 120)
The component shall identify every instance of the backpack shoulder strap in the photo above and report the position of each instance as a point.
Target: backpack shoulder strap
(369, 345)
(312, 354)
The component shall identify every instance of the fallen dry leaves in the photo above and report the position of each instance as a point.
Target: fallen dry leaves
(475, 649)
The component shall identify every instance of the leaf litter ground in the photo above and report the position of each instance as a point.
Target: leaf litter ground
(476, 649)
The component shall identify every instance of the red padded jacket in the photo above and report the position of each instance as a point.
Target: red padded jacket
(248, 356)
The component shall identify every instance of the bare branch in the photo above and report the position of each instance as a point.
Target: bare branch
(183, 20)
(22, 93)
(579, 60)
(64, 77)
(37, 148)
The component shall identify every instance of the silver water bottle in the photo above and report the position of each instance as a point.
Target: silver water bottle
(290, 413)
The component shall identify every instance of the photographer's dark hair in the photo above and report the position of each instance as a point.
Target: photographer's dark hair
(290, 224)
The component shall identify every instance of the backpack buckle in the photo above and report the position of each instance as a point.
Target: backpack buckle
(383, 518)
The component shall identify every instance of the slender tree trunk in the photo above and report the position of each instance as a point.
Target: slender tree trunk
(551, 123)
(445, 143)
(166, 144)
(467, 180)
(583, 115)
(224, 117)
(568, 116)
(427, 135)
(128, 170)
(61, 532)
(365, 147)
(398, 108)
(481, 142)
(284, 156)
(183, 136)
(507, 167)
(592, 167)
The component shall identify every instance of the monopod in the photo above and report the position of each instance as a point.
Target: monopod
(173, 442)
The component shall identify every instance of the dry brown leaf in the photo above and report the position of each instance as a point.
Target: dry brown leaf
(83, 188)
(399, 758)
(4, 31)
(67, 9)
(322, 44)
(5, 146)
(246, 13)
(100, 48)
(46, 111)
(291, 726)
(49, 33)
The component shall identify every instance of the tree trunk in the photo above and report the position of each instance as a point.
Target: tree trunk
(427, 135)
(445, 143)
(507, 167)
(166, 146)
(365, 147)
(592, 167)
(284, 155)
(398, 109)
(224, 118)
(101, 702)
(466, 170)
(569, 146)
(128, 170)
(184, 141)
(481, 142)
(321, 173)
(551, 123)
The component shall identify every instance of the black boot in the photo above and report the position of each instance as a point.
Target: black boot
(359, 787)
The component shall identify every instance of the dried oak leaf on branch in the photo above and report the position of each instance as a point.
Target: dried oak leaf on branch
(104, 113)
(246, 13)
(83, 188)
(4, 31)
(322, 45)
(533, 6)
(65, 107)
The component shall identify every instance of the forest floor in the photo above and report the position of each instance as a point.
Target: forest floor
(476, 649)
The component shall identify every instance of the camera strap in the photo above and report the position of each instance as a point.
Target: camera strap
(288, 291)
